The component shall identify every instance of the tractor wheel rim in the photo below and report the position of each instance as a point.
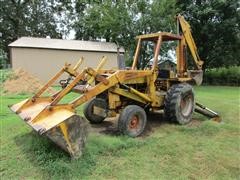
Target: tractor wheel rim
(134, 122)
(186, 105)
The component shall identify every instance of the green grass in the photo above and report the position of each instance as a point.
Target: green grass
(208, 150)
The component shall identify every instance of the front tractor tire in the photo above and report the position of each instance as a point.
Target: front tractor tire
(88, 110)
(132, 121)
(179, 103)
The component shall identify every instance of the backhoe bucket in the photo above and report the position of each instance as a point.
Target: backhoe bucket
(197, 76)
(59, 123)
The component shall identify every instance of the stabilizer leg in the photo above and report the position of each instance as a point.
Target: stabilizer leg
(201, 109)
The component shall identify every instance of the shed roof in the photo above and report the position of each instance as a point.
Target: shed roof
(45, 43)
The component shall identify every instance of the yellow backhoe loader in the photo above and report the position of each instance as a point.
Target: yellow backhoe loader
(130, 93)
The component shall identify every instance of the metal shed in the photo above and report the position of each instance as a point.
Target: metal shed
(43, 57)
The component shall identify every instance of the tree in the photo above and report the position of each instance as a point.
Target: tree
(107, 19)
(38, 18)
(121, 21)
(215, 26)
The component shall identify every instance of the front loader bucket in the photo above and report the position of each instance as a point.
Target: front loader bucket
(74, 140)
(59, 123)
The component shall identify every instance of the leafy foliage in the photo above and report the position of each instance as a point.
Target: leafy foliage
(121, 21)
(223, 76)
(215, 26)
(33, 18)
(3, 59)
(5, 74)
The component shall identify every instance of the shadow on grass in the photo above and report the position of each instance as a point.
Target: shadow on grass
(107, 127)
(154, 121)
(52, 161)
(47, 157)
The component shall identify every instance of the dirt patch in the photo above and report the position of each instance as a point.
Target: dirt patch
(110, 125)
(155, 120)
(22, 82)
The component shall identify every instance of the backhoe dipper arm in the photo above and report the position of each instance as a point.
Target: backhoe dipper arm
(186, 30)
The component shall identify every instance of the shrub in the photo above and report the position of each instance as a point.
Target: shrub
(223, 76)
(3, 59)
(5, 74)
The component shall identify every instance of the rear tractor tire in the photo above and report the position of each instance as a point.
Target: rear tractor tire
(179, 103)
(88, 110)
(132, 121)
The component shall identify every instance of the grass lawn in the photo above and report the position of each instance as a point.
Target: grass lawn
(202, 150)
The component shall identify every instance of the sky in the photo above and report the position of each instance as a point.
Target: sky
(71, 35)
